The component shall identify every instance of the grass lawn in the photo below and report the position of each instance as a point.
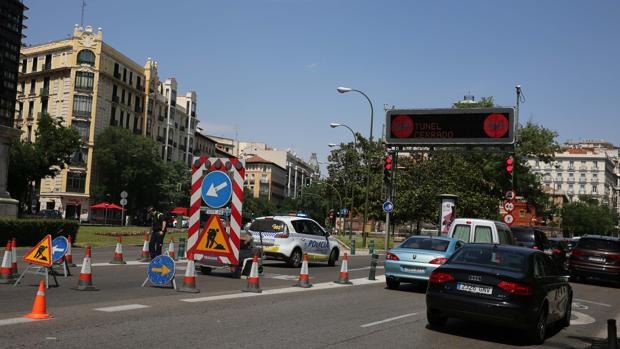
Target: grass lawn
(88, 235)
(378, 241)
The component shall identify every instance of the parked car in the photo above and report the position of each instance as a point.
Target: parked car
(480, 231)
(50, 214)
(415, 258)
(502, 285)
(536, 239)
(595, 256)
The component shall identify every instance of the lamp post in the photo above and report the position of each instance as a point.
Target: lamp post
(345, 90)
(334, 125)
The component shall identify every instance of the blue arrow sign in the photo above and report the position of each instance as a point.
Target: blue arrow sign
(59, 248)
(161, 270)
(216, 189)
(388, 206)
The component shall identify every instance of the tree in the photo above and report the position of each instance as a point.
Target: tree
(51, 151)
(587, 217)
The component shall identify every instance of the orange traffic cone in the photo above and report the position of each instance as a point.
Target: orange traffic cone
(14, 257)
(38, 308)
(171, 249)
(6, 272)
(253, 279)
(118, 253)
(189, 280)
(145, 256)
(304, 278)
(85, 283)
(69, 254)
(344, 271)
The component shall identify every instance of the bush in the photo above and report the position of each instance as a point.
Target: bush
(30, 231)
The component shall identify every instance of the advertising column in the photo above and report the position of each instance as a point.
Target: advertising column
(448, 213)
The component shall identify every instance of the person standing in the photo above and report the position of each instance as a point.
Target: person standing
(158, 232)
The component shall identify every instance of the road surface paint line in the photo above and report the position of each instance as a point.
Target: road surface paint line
(365, 268)
(592, 302)
(581, 319)
(390, 319)
(128, 263)
(122, 308)
(315, 287)
(13, 321)
(280, 276)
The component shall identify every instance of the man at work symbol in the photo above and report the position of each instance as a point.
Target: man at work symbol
(211, 234)
(39, 255)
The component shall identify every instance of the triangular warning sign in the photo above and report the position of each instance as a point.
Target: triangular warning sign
(41, 253)
(213, 239)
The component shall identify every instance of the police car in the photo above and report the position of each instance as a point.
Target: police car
(289, 237)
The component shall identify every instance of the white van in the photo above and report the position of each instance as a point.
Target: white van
(473, 230)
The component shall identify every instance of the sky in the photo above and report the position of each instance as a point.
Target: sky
(267, 70)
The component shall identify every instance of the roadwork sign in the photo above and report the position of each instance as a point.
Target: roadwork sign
(216, 189)
(213, 239)
(59, 248)
(41, 253)
(161, 271)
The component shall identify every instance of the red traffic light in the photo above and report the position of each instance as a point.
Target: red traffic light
(509, 161)
(509, 168)
(388, 162)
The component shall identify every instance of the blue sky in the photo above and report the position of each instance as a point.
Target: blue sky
(271, 67)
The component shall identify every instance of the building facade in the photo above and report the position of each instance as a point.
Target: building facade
(91, 86)
(265, 179)
(12, 18)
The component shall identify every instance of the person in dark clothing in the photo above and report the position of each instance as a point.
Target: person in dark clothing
(158, 232)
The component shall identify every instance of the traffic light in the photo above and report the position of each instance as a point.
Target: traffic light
(387, 168)
(509, 166)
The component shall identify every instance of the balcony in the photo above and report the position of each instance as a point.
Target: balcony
(571, 180)
(44, 92)
(571, 168)
(160, 118)
(82, 114)
(117, 75)
(83, 88)
(47, 66)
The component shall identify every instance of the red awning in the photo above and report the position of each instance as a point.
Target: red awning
(179, 210)
(107, 205)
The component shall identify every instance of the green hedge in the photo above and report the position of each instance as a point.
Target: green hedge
(30, 231)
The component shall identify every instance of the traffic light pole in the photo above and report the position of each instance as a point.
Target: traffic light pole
(390, 194)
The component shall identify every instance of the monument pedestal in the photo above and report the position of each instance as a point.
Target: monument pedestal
(8, 206)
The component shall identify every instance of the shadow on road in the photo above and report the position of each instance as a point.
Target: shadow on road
(597, 282)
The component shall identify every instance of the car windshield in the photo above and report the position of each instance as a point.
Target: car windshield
(523, 237)
(491, 257)
(267, 226)
(599, 244)
(426, 244)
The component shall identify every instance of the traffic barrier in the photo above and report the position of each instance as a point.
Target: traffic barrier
(14, 257)
(145, 255)
(39, 310)
(85, 283)
(171, 249)
(304, 278)
(374, 260)
(69, 254)
(189, 280)
(182, 250)
(343, 277)
(6, 272)
(253, 279)
(118, 253)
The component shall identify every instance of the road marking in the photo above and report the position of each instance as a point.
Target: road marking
(390, 319)
(365, 268)
(280, 276)
(603, 332)
(315, 287)
(581, 319)
(122, 308)
(592, 302)
(128, 263)
(13, 321)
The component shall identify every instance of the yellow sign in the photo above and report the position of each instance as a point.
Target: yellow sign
(213, 239)
(41, 253)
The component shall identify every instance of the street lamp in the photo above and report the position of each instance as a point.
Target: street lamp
(334, 125)
(345, 90)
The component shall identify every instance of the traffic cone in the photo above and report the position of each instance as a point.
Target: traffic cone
(69, 254)
(38, 307)
(145, 255)
(171, 249)
(6, 272)
(14, 257)
(253, 279)
(344, 271)
(118, 253)
(85, 283)
(189, 280)
(304, 278)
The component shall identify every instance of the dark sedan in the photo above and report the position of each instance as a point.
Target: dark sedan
(503, 285)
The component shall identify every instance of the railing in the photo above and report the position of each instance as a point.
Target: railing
(44, 91)
(82, 114)
(47, 66)
(84, 88)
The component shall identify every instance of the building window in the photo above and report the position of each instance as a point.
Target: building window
(595, 177)
(86, 57)
(76, 182)
(595, 164)
(124, 74)
(32, 86)
(122, 117)
(35, 61)
(82, 105)
(138, 83)
(117, 74)
(30, 109)
(571, 164)
(129, 98)
(130, 78)
(84, 81)
(79, 158)
(594, 190)
(83, 129)
(122, 96)
(24, 65)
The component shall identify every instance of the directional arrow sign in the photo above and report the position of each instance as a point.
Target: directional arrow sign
(161, 270)
(59, 248)
(216, 189)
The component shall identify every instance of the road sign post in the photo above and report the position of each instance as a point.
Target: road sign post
(388, 207)
(123, 203)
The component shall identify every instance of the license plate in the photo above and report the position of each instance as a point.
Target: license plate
(413, 269)
(474, 288)
(211, 258)
(596, 259)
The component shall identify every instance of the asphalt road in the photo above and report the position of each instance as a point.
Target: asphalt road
(366, 314)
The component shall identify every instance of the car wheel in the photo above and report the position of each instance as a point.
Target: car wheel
(565, 322)
(205, 270)
(333, 257)
(434, 319)
(295, 259)
(392, 283)
(538, 333)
